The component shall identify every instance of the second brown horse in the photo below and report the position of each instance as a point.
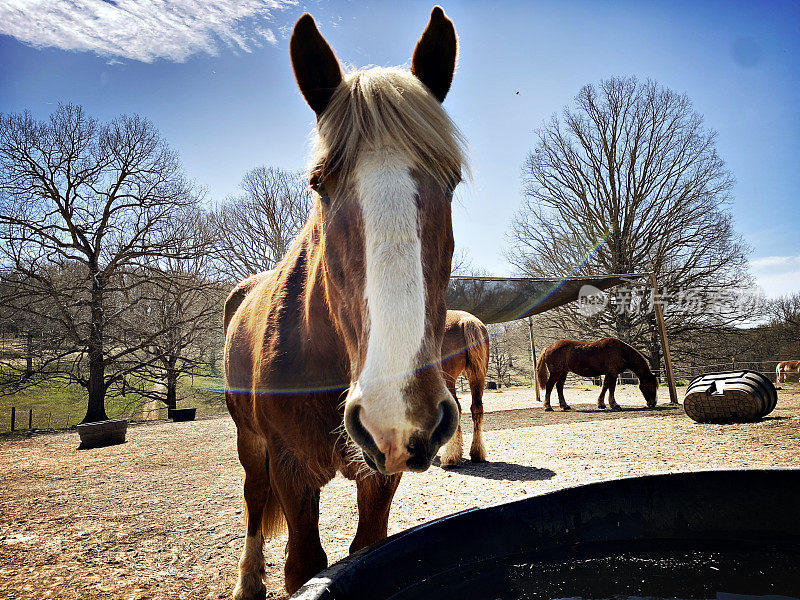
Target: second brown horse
(465, 349)
(607, 356)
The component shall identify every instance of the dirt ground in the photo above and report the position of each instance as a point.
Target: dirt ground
(160, 516)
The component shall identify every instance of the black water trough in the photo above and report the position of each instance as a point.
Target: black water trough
(182, 414)
(710, 534)
(102, 433)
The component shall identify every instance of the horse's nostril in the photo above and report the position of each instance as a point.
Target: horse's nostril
(448, 422)
(421, 451)
(361, 436)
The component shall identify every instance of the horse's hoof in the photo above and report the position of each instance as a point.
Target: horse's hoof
(450, 463)
(477, 456)
(250, 587)
(565, 407)
(616, 407)
(548, 409)
(601, 407)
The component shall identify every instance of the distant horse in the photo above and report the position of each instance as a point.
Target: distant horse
(787, 370)
(339, 346)
(607, 356)
(465, 349)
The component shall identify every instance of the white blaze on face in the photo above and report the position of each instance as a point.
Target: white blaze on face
(394, 289)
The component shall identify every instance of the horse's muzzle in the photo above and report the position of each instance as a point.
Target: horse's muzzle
(418, 452)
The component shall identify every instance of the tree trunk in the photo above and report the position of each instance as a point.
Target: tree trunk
(212, 360)
(96, 410)
(29, 356)
(172, 386)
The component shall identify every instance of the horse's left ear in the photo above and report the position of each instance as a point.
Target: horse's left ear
(434, 59)
(316, 67)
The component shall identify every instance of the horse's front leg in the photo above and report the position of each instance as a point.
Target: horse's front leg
(253, 456)
(611, 378)
(375, 493)
(299, 500)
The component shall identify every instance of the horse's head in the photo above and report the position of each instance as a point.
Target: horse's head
(386, 163)
(649, 389)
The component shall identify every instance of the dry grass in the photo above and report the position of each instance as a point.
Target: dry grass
(160, 516)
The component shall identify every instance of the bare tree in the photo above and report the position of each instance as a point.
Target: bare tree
(462, 263)
(257, 227)
(500, 359)
(87, 211)
(182, 305)
(785, 321)
(629, 180)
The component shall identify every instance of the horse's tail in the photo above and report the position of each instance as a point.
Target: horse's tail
(273, 521)
(477, 337)
(541, 370)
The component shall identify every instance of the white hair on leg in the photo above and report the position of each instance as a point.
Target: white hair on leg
(477, 451)
(251, 569)
(454, 450)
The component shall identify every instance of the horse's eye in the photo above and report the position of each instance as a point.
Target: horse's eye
(319, 186)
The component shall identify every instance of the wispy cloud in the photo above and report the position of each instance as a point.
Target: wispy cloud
(142, 30)
(777, 275)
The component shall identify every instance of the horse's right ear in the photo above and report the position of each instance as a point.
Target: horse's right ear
(434, 59)
(316, 67)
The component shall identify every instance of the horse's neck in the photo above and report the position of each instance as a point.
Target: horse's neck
(636, 362)
(324, 353)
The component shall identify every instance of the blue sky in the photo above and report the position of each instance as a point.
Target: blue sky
(215, 78)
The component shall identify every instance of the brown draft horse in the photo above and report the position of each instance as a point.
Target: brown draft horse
(607, 356)
(339, 346)
(465, 349)
(787, 370)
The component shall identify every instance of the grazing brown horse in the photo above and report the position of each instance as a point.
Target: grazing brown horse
(339, 346)
(787, 370)
(465, 349)
(607, 356)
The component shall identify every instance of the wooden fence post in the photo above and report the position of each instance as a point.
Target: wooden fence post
(13, 416)
(30, 418)
(662, 330)
(533, 357)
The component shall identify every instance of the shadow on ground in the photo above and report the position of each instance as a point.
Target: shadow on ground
(500, 470)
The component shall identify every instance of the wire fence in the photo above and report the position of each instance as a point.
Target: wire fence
(684, 373)
(22, 418)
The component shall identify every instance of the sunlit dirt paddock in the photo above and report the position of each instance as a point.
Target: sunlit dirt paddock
(160, 516)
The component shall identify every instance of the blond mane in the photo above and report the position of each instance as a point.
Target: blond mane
(387, 108)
